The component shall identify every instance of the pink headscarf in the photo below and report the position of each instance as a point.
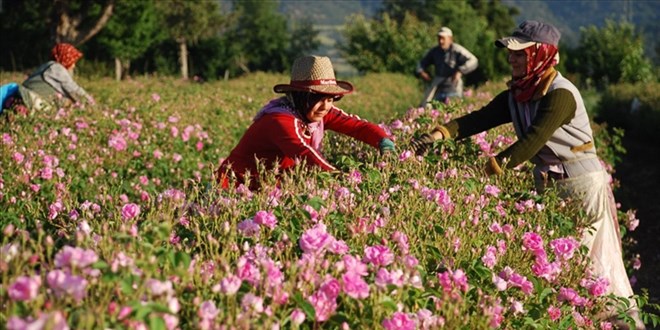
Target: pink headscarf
(540, 58)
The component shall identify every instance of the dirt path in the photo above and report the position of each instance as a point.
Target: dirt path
(639, 174)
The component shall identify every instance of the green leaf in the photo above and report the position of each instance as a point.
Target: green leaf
(316, 203)
(339, 318)
(439, 230)
(100, 265)
(157, 323)
(544, 294)
(434, 251)
(305, 306)
(127, 285)
(158, 307)
(182, 259)
(388, 303)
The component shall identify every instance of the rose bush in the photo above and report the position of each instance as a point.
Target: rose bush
(111, 219)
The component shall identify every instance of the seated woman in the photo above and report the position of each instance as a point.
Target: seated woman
(50, 84)
(290, 129)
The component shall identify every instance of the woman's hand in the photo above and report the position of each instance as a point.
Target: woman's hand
(386, 145)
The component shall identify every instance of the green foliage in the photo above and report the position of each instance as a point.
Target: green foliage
(611, 54)
(189, 21)
(384, 45)
(22, 30)
(399, 38)
(132, 29)
(260, 36)
(633, 107)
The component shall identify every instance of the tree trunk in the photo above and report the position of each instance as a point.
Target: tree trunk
(122, 68)
(118, 68)
(69, 27)
(183, 58)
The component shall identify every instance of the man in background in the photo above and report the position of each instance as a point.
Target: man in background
(451, 62)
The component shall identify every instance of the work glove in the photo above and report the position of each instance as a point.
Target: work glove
(422, 144)
(386, 145)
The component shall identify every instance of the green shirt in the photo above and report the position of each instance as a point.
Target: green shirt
(556, 108)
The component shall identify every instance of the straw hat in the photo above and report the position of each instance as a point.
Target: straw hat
(314, 74)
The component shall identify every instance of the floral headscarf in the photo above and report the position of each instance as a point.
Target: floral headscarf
(66, 54)
(540, 58)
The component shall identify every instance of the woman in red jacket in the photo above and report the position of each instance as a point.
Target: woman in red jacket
(289, 129)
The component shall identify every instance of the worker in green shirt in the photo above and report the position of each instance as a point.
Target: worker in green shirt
(553, 132)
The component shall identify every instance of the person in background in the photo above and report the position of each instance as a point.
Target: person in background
(554, 132)
(290, 129)
(451, 62)
(50, 84)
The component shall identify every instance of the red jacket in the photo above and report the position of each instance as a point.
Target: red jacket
(280, 139)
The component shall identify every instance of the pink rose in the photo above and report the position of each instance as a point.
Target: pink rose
(130, 211)
(24, 288)
(207, 310)
(399, 321)
(354, 286)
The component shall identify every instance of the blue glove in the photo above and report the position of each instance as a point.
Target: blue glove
(386, 145)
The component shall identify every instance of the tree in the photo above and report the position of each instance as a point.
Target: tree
(78, 21)
(610, 54)
(475, 23)
(260, 36)
(303, 39)
(25, 41)
(133, 28)
(187, 22)
(385, 45)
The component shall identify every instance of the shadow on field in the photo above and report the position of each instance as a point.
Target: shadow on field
(639, 174)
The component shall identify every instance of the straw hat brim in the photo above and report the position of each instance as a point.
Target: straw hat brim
(341, 88)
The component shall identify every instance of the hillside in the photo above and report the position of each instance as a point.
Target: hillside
(568, 16)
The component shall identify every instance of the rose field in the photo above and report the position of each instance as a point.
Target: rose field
(111, 220)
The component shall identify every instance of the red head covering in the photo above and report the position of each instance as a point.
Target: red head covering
(540, 58)
(66, 54)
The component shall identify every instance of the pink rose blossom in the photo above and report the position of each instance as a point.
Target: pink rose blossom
(405, 155)
(564, 247)
(571, 296)
(297, 317)
(554, 313)
(207, 310)
(18, 157)
(158, 288)
(130, 211)
(74, 257)
(62, 283)
(353, 264)
(251, 302)
(399, 321)
(264, 218)
(248, 228)
(378, 255)
(354, 286)
(533, 242)
(324, 306)
(492, 190)
(52, 321)
(117, 142)
(596, 287)
(230, 284)
(25, 288)
(338, 247)
(316, 239)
